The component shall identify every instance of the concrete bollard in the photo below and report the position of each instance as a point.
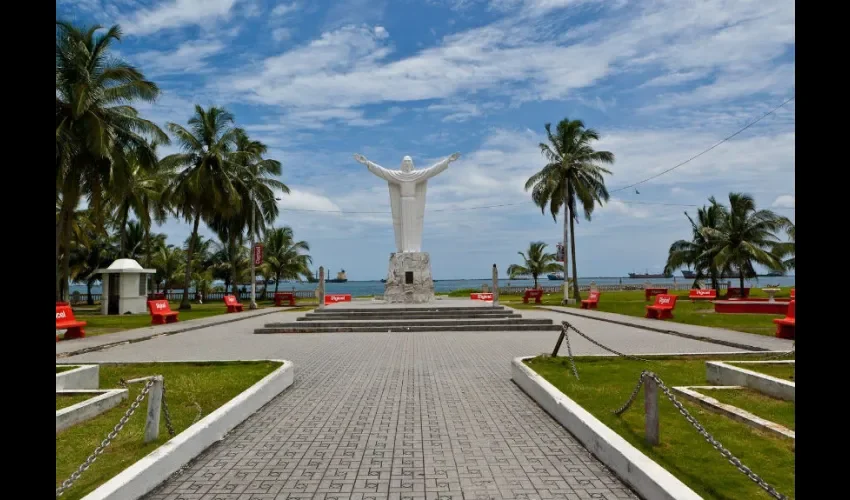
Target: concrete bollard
(154, 407)
(320, 290)
(495, 286)
(650, 405)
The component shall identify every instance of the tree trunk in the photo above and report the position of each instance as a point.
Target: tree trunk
(89, 298)
(576, 294)
(535, 280)
(233, 273)
(58, 239)
(185, 305)
(122, 232)
(742, 282)
(276, 281)
(566, 243)
(66, 260)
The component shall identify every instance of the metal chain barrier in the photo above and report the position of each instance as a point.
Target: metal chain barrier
(106, 442)
(565, 325)
(631, 399)
(168, 424)
(704, 433)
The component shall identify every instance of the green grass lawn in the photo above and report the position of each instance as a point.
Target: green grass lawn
(607, 382)
(633, 303)
(766, 407)
(785, 372)
(66, 400)
(60, 369)
(208, 385)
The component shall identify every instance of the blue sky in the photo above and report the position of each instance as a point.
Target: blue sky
(318, 81)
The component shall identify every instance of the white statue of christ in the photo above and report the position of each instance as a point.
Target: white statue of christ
(407, 197)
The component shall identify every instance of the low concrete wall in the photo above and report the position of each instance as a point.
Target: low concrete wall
(646, 477)
(722, 373)
(84, 377)
(691, 393)
(101, 401)
(146, 474)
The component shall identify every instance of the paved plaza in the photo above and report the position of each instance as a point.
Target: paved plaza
(395, 415)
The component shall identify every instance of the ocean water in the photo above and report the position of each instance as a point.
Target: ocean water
(361, 288)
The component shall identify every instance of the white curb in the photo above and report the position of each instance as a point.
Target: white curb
(724, 373)
(646, 477)
(100, 401)
(146, 474)
(82, 377)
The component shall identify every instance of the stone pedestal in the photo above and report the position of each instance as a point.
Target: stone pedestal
(409, 279)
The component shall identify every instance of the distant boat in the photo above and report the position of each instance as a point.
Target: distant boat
(340, 277)
(559, 276)
(384, 280)
(650, 276)
(688, 274)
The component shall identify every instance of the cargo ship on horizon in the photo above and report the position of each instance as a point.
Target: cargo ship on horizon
(647, 275)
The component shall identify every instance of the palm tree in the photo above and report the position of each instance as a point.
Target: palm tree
(91, 249)
(283, 257)
(96, 128)
(257, 193)
(572, 176)
(697, 251)
(745, 236)
(786, 248)
(537, 262)
(169, 262)
(229, 260)
(205, 187)
(142, 193)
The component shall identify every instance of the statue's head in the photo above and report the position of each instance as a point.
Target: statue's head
(406, 164)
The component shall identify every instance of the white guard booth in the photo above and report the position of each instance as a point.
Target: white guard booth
(125, 287)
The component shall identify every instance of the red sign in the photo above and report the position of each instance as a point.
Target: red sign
(481, 296)
(333, 298)
(258, 254)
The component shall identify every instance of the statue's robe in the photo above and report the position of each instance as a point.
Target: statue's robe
(407, 201)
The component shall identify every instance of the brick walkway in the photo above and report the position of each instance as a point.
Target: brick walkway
(394, 416)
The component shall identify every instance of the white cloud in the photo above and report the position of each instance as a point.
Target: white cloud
(380, 32)
(784, 201)
(188, 57)
(284, 9)
(518, 59)
(302, 199)
(629, 210)
(175, 14)
(675, 78)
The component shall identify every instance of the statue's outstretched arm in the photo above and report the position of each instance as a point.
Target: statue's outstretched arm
(439, 166)
(373, 167)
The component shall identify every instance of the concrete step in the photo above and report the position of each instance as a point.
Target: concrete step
(409, 315)
(382, 308)
(427, 322)
(483, 327)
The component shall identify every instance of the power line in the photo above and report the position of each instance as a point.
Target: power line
(709, 149)
(482, 207)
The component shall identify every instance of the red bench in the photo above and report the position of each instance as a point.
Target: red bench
(652, 292)
(281, 297)
(662, 308)
(736, 293)
(65, 321)
(161, 312)
(532, 294)
(335, 298)
(785, 326)
(592, 301)
(232, 304)
(698, 294)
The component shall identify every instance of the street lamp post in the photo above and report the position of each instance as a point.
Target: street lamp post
(253, 304)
